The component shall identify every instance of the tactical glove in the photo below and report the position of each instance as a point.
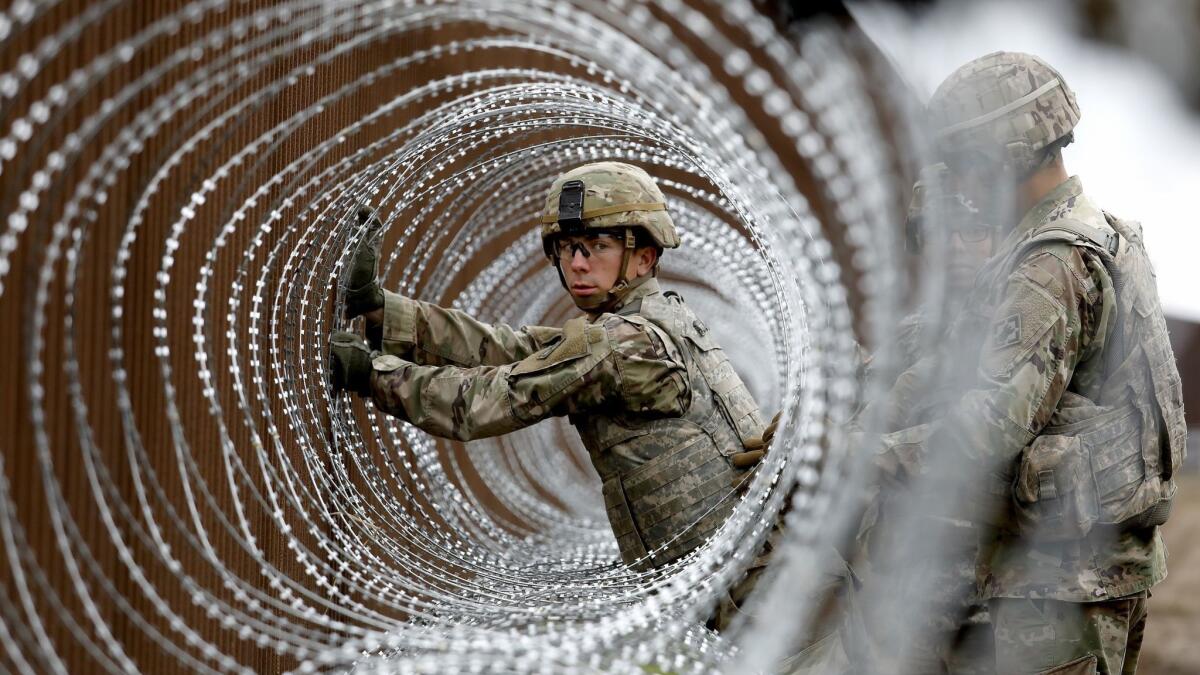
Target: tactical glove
(363, 293)
(896, 463)
(753, 452)
(756, 448)
(349, 363)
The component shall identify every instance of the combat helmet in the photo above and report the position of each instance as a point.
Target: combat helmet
(606, 196)
(1007, 107)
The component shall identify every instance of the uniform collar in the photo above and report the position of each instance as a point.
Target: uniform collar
(635, 295)
(1068, 189)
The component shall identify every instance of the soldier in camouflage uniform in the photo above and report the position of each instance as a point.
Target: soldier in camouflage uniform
(970, 239)
(955, 635)
(1073, 419)
(653, 397)
(955, 638)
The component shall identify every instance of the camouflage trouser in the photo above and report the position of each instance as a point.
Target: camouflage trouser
(954, 635)
(948, 631)
(732, 604)
(965, 651)
(1068, 638)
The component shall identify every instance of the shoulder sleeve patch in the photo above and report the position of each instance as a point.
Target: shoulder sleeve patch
(577, 340)
(1007, 332)
(1020, 323)
(574, 342)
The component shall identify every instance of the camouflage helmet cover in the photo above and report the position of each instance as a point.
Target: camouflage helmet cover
(932, 193)
(1007, 105)
(614, 195)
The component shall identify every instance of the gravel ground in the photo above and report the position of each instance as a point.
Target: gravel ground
(1172, 645)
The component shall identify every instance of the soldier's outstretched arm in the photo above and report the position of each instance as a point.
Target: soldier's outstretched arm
(429, 335)
(593, 366)
(1051, 316)
(421, 332)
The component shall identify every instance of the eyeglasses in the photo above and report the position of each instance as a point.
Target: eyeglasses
(599, 244)
(972, 162)
(951, 213)
(968, 229)
(970, 233)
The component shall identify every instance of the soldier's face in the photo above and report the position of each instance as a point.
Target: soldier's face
(970, 247)
(965, 235)
(591, 267)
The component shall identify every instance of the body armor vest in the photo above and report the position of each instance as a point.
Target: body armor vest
(668, 505)
(1109, 453)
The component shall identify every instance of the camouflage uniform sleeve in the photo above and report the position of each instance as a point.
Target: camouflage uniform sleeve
(430, 335)
(900, 406)
(615, 365)
(910, 334)
(1045, 322)
(889, 412)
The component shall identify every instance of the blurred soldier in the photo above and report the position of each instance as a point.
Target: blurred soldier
(1073, 420)
(654, 399)
(936, 210)
(969, 235)
(955, 635)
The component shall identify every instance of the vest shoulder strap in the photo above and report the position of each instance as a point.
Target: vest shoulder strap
(1128, 229)
(668, 311)
(1075, 232)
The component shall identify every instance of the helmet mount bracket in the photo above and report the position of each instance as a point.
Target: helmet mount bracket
(570, 207)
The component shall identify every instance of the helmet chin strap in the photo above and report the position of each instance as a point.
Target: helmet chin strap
(620, 289)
